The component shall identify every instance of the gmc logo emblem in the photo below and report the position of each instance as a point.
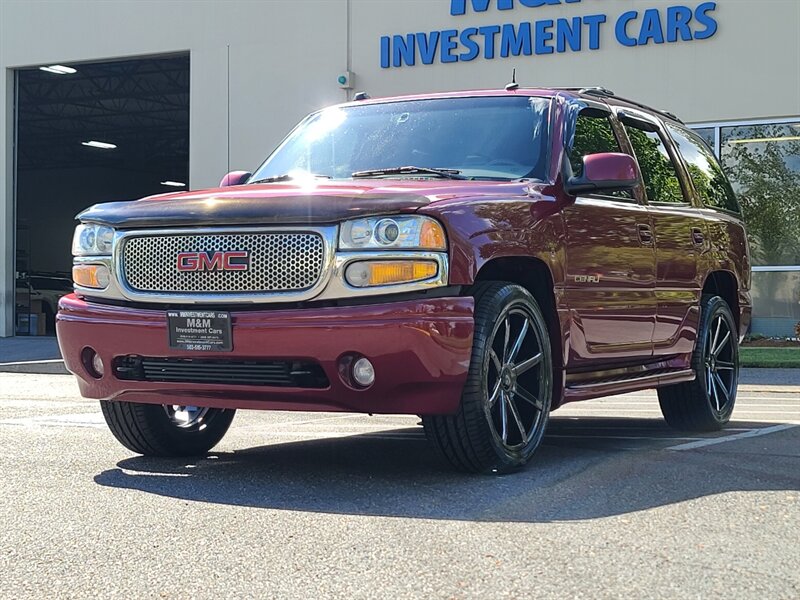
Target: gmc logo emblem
(213, 261)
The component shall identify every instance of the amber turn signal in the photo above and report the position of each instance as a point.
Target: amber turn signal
(386, 272)
(91, 276)
(431, 236)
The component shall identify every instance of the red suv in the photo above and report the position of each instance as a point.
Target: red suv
(476, 258)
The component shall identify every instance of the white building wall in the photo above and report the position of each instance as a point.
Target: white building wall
(749, 69)
(271, 62)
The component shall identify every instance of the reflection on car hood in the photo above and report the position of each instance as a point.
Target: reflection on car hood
(314, 202)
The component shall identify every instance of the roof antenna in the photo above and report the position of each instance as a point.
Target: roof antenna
(513, 85)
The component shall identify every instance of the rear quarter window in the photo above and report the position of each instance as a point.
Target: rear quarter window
(709, 179)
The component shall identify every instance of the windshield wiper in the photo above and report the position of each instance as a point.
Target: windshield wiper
(284, 177)
(443, 173)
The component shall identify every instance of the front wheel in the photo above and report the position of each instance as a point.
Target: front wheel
(166, 430)
(506, 400)
(706, 404)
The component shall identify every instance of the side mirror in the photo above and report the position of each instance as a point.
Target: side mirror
(235, 178)
(605, 172)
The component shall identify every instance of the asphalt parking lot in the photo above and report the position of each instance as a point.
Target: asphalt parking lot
(320, 505)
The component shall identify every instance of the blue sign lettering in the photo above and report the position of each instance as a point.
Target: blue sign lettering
(594, 22)
(632, 28)
(678, 18)
(706, 20)
(568, 33)
(459, 7)
(473, 50)
(514, 42)
(622, 28)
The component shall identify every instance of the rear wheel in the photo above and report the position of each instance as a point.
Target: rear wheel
(506, 400)
(706, 404)
(166, 430)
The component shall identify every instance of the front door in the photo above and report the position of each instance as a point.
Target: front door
(610, 261)
(610, 281)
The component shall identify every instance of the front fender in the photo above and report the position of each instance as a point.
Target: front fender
(523, 227)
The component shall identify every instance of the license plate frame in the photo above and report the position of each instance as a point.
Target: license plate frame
(200, 330)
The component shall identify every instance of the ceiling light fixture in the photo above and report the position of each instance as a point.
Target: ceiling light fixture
(173, 183)
(101, 145)
(59, 70)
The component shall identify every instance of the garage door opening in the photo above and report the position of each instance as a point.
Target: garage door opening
(89, 133)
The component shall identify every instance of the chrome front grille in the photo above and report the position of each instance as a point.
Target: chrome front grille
(278, 262)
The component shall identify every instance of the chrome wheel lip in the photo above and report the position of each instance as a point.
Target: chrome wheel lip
(506, 394)
(721, 364)
(186, 416)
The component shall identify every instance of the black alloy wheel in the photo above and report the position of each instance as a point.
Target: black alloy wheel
(506, 401)
(706, 404)
(514, 406)
(166, 430)
(720, 363)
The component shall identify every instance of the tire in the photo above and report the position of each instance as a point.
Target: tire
(163, 430)
(706, 404)
(500, 381)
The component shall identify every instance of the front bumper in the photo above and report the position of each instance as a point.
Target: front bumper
(420, 350)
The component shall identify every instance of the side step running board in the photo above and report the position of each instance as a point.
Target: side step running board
(586, 389)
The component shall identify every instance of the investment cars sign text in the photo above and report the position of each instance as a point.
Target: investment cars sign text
(547, 36)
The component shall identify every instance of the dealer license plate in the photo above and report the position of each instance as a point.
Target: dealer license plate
(200, 330)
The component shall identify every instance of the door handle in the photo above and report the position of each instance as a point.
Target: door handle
(645, 234)
(698, 239)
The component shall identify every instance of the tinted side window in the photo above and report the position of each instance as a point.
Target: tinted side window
(709, 180)
(593, 134)
(658, 171)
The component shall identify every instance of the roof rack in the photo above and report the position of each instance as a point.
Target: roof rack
(602, 92)
(596, 90)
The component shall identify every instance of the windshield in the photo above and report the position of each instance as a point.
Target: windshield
(500, 138)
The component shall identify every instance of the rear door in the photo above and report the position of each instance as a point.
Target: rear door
(678, 234)
(610, 258)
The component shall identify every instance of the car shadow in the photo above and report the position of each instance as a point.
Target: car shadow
(586, 469)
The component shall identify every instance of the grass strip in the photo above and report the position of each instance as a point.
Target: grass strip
(776, 358)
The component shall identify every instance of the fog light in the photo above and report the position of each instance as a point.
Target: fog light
(91, 276)
(363, 372)
(97, 365)
(93, 363)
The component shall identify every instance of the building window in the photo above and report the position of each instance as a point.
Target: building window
(708, 135)
(762, 161)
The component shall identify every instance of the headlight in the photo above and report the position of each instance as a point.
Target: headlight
(391, 233)
(92, 240)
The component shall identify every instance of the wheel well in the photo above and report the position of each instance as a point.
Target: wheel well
(724, 285)
(534, 275)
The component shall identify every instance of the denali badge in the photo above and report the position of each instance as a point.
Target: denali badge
(213, 261)
(588, 278)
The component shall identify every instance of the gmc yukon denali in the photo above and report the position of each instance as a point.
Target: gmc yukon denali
(476, 258)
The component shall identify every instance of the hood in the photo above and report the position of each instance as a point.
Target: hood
(281, 203)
